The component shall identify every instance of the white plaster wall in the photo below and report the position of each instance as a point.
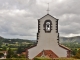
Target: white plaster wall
(47, 41)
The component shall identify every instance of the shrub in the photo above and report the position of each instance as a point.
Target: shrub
(42, 58)
(15, 59)
(77, 54)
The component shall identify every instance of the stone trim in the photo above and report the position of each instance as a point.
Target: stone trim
(58, 38)
(56, 26)
(45, 25)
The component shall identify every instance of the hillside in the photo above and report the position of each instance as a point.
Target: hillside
(75, 39)
(14, 43)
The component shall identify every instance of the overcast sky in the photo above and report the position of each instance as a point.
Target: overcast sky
(18, 18)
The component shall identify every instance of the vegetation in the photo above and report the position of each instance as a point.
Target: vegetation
(14, 47)
(15, 59)
(14, 43)
(72, 42)
(1, 54)
(17, 46)
(42, 58)
(39, 58)
(77, 55)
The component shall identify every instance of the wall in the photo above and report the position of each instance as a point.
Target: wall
(47, 41)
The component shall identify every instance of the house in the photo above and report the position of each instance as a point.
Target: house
(4, 54)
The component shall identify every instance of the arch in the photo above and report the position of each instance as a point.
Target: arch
(47, 26)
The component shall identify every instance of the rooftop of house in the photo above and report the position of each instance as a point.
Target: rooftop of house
(47, 53)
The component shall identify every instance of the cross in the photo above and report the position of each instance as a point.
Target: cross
(48, 9)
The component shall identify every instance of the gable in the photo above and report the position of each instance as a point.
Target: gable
(48, 15)
(47, 53)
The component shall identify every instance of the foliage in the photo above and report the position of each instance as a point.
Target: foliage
(41, 58)
(73, 46)
(74, 51)
(15, 59)
(77, 54)
(4, 48)
(22, 56)
(9, 53)
(20, 49)
(14, 43)
(1, 55)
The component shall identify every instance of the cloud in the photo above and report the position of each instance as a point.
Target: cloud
(18, 18)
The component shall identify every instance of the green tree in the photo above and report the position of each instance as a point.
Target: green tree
(4, 48)
(20, 49)
(10, 53)
(74, 51)
(1, 55)
(22, 56)
(77, 54)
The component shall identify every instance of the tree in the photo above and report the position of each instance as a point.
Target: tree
(10, 53)
(1, 55)
(22, 56)
(74, 51)
(4, 48)
(19, 50)
(77, 54)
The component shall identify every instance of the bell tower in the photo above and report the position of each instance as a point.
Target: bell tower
(48, 29)
(48, 38)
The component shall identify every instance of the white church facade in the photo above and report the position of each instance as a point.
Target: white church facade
(48, 38)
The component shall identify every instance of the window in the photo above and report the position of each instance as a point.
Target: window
(47, 25)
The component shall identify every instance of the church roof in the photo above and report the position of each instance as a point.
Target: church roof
(64, 47)
(47, 53)
(49, 15)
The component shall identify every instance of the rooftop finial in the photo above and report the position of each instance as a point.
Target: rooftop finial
(48, 9)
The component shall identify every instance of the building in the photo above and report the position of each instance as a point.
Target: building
(47, 53)
(48, 38)
(4, 54)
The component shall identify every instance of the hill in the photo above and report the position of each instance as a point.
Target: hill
(14, 43)
(75, 39)
(72, 42)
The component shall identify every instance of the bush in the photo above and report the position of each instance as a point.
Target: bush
(77, 54)
(42, 58)
(15, 59)
(1, 55)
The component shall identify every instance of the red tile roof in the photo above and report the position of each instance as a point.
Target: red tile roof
(47, 53)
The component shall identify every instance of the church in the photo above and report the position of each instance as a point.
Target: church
(48, 40)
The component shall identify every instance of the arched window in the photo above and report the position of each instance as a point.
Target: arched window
(47, 25)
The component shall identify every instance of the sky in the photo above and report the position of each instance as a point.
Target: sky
(19, 18)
